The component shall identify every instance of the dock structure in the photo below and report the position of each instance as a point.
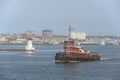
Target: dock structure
(28, 47)
(10, 49)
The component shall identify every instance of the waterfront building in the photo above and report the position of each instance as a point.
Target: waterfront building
(3, 40)
(46, 37)
(47, 34)
(78, 35)
(28, 34)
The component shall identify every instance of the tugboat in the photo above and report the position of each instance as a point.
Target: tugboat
(74, 53)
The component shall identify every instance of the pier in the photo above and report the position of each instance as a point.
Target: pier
(10, 49)
(28, 47)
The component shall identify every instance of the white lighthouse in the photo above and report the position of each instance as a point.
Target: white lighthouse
(29, 46)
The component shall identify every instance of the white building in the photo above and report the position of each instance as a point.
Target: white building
(78, 35)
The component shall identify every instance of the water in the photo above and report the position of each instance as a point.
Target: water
(40, 64)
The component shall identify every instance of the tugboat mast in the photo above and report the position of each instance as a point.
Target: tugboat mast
(69, 31)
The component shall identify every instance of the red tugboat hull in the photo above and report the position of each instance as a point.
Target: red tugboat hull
(75, 57)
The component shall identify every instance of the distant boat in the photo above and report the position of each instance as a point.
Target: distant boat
(102, 43)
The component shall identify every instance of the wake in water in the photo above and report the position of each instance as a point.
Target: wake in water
(110, 59)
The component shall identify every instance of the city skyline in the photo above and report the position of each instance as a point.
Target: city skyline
(94, 17)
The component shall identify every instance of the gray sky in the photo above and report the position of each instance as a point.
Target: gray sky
(94, 17)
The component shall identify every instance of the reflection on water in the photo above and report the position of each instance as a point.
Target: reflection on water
(69, 69)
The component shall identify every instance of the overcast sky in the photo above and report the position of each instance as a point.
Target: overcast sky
(94, 17)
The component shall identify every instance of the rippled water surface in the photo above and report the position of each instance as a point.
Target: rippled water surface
(40, 64)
